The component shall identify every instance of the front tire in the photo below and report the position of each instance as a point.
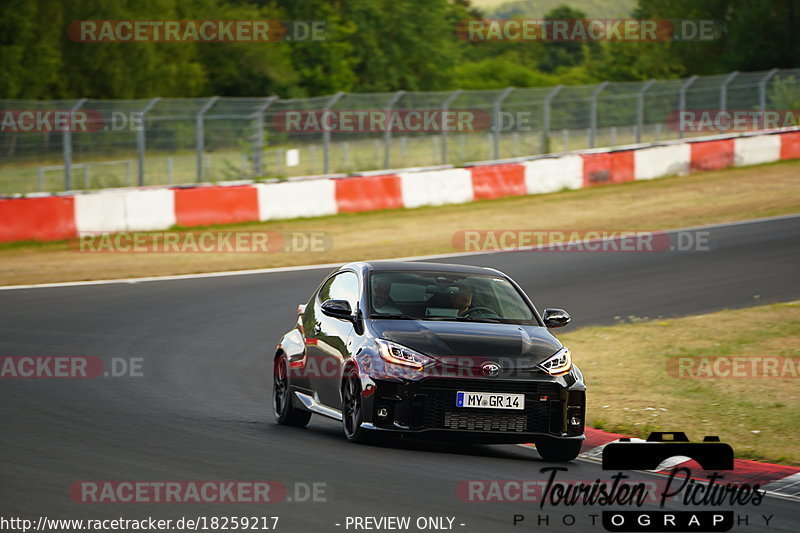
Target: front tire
(353, 409)
(559, 451)
(282, 408)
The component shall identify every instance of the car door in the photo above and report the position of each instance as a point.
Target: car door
(332, 338)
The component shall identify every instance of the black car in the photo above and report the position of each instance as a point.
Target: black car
(431, 350)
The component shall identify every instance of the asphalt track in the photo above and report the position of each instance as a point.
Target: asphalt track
(201, 411)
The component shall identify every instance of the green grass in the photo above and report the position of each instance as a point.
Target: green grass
(631, 392)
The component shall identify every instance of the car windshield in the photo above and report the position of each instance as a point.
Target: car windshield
(447, 296)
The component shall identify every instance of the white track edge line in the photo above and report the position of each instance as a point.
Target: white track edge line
(298, 268)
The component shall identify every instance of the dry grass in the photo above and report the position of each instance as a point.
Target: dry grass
(702, 198)
(626, 370)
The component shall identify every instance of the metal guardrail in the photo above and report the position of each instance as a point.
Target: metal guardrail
(189, 140)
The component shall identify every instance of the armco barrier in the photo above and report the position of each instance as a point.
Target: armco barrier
(103, 211)
(38, 219)
(498, 181)
(436, 187)
(712, 155)
(202, 206)
(756, 150)
(790, 145)
(659, 161)
(294, 199)
(368, 193)
(125, 210)
(554, 174)
(62, 217)
(603, 168)
(149, 209)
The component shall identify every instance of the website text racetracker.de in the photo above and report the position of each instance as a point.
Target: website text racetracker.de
(580, 240)
(195, 523)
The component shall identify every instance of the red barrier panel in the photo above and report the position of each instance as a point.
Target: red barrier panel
(368, 193)
(498, 181)
(790, 145)
(41, 219)
(204, 206)
(712, 155)
(608, 167)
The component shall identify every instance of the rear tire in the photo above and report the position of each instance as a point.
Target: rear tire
(282, 408)
(559, 451)
(353, 409)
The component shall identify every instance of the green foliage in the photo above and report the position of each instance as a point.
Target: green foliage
(370, 46)
(536, 9)
(498, 74)
(784, 94)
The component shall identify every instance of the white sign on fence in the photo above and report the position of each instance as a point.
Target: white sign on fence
(292, 157)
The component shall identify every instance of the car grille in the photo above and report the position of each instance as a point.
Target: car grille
(439, 398)
(485, 421)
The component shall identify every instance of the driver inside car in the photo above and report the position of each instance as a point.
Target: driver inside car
(460, 297)
(381, 301)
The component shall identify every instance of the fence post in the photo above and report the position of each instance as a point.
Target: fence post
(593, 114)
(445, 107)
(682, 103)
(548, 100)
(723, 90)
(326, 134)
(640, 109)
(387, 135)
(140, 133)
(67, 149)
(258, 137)
(199, 138)
(496, 119)
(762, 90)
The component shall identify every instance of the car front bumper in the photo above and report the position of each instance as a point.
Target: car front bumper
(427, 408)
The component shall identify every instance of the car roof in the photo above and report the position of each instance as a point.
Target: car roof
(412, 266)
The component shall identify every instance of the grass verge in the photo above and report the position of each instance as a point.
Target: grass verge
(630, 390)
(702, 198)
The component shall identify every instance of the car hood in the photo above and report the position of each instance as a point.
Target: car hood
(470, 343)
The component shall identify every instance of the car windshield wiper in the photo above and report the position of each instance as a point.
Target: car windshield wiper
(481, 319)
(461, 319)
(396, 316)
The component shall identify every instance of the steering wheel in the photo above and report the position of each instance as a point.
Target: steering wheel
(469, 312)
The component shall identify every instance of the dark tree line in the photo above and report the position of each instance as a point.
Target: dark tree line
(368, 46)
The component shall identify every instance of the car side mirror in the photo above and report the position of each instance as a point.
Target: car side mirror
(337, 309)
(555, 318)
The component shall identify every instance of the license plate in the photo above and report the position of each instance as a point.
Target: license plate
(490, 400)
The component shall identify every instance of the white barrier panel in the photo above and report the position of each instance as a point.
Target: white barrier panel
(312, 198)
(756, 150)
(660, 161)
(147, 210)
(436, 187)
(101, 211)
(554, 174)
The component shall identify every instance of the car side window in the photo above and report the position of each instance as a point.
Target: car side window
(342, 286)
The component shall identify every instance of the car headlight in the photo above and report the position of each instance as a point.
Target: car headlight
(559, 363)
(398, 354)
